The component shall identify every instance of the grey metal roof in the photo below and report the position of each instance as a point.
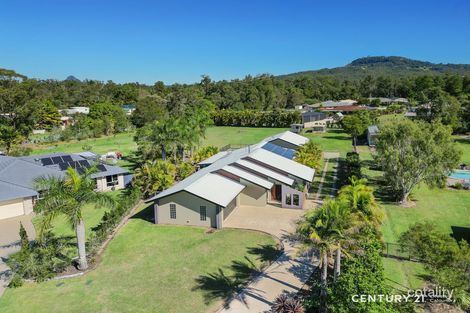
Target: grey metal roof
(236, 156)
(18, 174)
(10, 191)
(22, 173)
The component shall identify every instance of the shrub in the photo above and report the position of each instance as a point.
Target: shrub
(252, 118)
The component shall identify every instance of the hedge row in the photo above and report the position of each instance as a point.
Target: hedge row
(349, 167)
(252, 118)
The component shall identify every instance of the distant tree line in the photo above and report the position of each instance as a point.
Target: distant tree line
(26, 103)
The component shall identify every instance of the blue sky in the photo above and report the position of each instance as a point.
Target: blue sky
(178, 41)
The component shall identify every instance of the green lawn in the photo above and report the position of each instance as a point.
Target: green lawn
(224, 135)
(150, 268)
(464, 144)
(334, 140)
(92, 216)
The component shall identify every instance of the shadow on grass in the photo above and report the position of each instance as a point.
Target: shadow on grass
(134, 161)
(146, 214)
(461, 233)
(224, 283)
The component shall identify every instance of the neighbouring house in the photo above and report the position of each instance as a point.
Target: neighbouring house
(331, 103)
(372, 133)
(18, 192)
(391, 100)
(254, 176)
(75, 110)
(128, 108)
(345, 109)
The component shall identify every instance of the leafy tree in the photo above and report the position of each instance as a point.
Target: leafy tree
(362, 274)
(154, 176)
(149, 109)
(204, 153)
(413, 152)
(356, 124)
(447, 260)
(68, 197)
(310, 155)
(48, 116)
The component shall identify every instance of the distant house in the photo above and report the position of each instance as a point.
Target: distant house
(128, 108)
(75, 110)
(18, 192)
(254, 176)
(384, 100)
(345, 109)
(372, 133)
(331, 103)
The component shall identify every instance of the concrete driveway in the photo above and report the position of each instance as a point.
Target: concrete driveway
(9, 242)
(287, 274)
(270, 219)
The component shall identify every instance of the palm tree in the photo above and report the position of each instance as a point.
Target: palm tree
(323, 229)
(361, 201)
(67, 197)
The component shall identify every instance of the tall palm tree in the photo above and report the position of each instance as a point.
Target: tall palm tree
(67, 197)
(323, 229)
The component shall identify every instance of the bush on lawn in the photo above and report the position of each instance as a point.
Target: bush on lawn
(37, 261)
(252, 118)
(349, 167)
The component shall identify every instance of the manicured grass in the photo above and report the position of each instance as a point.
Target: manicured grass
(334, 140)
(150, 268)
(223, 135)
(92, 216)
(123, 142)
(464, 144)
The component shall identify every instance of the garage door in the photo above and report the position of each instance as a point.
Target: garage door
(11, 208)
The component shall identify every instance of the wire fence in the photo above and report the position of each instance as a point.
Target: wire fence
(395, 250)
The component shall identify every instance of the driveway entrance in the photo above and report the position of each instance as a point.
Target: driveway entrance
(287, 274)
(9, 242)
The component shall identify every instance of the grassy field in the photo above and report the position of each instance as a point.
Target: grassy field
(221, 136)
(150, 268)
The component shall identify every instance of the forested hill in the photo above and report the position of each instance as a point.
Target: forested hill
(392, 66)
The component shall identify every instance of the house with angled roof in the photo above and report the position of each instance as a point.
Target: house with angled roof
(18, 191)
(254, 176)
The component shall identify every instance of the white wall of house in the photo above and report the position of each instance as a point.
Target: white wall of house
(102, 185)
(16, 207)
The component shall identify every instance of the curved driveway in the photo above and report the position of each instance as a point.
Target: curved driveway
(287, 274)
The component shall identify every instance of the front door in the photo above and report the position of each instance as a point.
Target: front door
(276, 193)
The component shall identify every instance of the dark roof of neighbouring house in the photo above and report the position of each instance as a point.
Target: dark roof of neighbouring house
(18, 174)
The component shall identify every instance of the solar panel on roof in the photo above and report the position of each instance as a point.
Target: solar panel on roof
(46, 161)
(84, 163)
(81, 170)
(63, 166)
(285, 152)
(56, 160)
(67, 158)
(101, 168)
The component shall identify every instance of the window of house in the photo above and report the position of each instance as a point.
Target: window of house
(202, 213)
(296, 199)
(173, 211)
(288, 199)
(111, 180)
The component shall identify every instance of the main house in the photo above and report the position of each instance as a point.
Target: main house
(18, 191)
(254, 176)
